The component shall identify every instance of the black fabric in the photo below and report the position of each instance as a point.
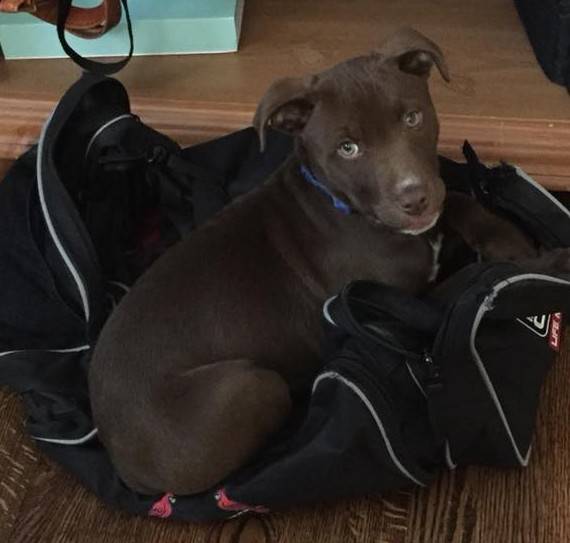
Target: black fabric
(407, 387)
(547, 24)
(33, 307)
(482, 338)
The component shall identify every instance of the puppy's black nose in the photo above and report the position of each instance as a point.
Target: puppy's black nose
(413, 200)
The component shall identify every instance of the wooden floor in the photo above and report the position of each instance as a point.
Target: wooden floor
(39, 503)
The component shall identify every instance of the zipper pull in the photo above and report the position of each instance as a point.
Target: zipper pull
(436, 400)
(434, 382)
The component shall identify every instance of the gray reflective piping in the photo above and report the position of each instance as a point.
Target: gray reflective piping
(70, 266)
(77, 441)
(70, 350)
(104, 127)
(120, 285)
(450, 463)
(51, 229)
(337, 377)
(415, 379)
(483, 308)
(326, 313)
(540, 188)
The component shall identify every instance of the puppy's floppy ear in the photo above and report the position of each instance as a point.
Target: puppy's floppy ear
(414, 53)
(286, 106)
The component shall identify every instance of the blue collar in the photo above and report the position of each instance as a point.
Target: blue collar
(339, 204)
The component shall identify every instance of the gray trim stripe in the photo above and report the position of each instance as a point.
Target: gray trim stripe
(78, 441)
(415, 379)
(360, 394)
(104, 127)
(326, 312)
(51, 229)
(540, 188)
(69, 350)
(450, 463)
(483, 308)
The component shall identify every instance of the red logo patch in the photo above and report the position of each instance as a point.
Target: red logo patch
(555, 334)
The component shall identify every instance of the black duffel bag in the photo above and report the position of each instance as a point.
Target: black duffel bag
(407, 386)
(547, 23)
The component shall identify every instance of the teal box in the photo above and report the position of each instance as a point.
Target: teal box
(160, 27)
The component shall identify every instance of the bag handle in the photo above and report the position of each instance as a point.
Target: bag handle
(64, 8)
(393, 309)
(84, 22)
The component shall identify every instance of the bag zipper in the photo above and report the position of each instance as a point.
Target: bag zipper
(433, 382)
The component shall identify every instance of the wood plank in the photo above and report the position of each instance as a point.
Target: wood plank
(19, 463)
(498, 98)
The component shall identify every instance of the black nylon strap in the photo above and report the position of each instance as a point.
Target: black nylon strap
(397, 312)
(477, 177)
(100, 68)
(208, 193)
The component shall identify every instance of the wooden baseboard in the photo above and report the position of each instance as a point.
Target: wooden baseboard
(540, 147)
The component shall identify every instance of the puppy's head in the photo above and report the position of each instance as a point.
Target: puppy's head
(368, 130)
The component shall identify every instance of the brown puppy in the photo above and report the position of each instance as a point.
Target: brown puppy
(195, 368)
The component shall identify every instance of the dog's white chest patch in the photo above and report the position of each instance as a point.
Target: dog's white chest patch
(435, 243)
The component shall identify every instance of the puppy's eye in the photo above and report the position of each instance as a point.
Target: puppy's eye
(348, 149)
(413, 119)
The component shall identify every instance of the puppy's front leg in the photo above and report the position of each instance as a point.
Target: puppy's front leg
(494, 238)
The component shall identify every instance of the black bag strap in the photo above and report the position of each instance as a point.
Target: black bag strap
(394, 313)
(208, 193)
(477, 173)
(100, 68)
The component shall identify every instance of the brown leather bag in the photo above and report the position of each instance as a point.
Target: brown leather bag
(85, 22)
